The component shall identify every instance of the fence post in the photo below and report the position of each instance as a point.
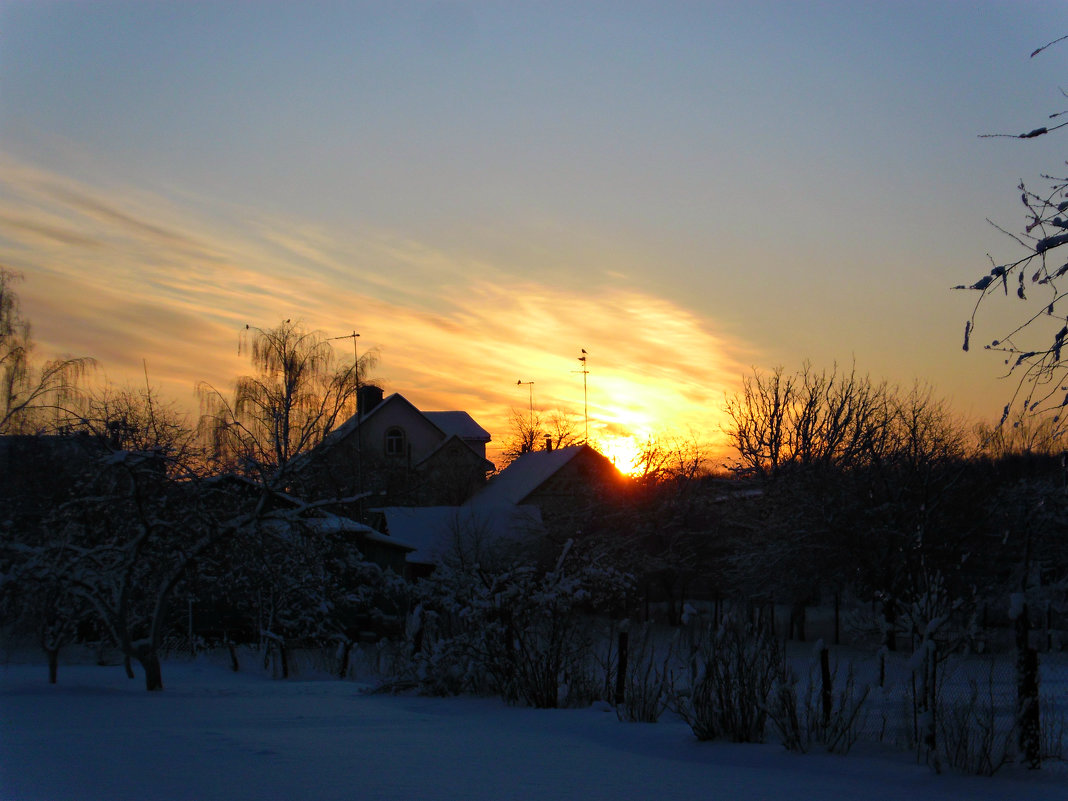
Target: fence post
(932, 698)
(1028, 708)
(1027, 711)
(827, 691)
(192, 639)
(621, 668)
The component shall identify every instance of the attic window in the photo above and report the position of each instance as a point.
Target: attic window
(395, 442)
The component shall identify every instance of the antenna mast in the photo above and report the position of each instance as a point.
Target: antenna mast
(530, 386)
(585, 398)
(355, 361)
(359, 434)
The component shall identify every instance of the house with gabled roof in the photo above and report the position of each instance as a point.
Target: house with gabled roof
(558, 481)
(397, 454)
(539, 495)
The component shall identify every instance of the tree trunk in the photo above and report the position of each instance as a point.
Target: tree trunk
(346, 649)
(53, 664)
(797, 621)
(890, 619)
(283, 657)
(149, 659)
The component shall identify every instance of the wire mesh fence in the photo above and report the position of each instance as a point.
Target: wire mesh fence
(954, 707)
(962, 710)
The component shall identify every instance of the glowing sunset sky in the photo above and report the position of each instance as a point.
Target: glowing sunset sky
(685, 190)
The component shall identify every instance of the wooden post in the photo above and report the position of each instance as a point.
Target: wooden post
(621, 666)
(1027, 710)
(827, 690)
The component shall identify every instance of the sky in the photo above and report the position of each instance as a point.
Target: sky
(687, 190)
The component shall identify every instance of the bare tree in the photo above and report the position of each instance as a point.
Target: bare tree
(71, 542)
(674, 458)
(856, 477)
(118, 536)
(32, 399)
(138, 420)
(808, 418)
(530, 430)
(1021, 435)
(1035, 278)
(296, 396)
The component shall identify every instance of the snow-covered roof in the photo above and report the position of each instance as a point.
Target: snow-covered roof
(334, 524)
(523, 476)
(433, 530)
(460, 424)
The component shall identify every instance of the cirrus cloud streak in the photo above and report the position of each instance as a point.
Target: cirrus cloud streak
(136, 278)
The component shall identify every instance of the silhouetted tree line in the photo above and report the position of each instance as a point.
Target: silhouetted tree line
(881, 494)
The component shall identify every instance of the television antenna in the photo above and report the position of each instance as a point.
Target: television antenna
(355, 358)
(359, 434)
(530, 386)
(585, 398)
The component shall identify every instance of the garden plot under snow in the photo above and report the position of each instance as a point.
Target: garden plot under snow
(214, 734)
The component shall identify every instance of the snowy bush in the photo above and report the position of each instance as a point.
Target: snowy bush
(733, 672)
(975, 733)
(1054, 729)
(645, 680)
(818, 715)
(519, 632)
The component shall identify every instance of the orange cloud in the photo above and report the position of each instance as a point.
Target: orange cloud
(127, 277)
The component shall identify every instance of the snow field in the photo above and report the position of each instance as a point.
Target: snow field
(214, 734)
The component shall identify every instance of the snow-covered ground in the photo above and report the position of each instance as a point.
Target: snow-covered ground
(214, 734)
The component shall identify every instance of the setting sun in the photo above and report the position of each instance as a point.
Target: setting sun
(624, 452)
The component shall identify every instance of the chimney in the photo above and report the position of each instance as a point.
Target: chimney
(548, 442)
(367, 398)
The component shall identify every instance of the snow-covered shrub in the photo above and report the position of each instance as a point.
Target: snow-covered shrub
(300, 582)
(516, 631)
(733, 672)
(817, 714)
(975, 733)
(645, 680)
(785, 715)
(1054, 730)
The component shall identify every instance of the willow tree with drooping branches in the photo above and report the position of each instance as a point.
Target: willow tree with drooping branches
(299, 391)
(33, 399)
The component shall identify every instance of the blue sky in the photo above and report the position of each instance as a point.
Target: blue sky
(687, 190)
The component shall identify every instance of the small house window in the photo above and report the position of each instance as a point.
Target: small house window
(395, 442)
